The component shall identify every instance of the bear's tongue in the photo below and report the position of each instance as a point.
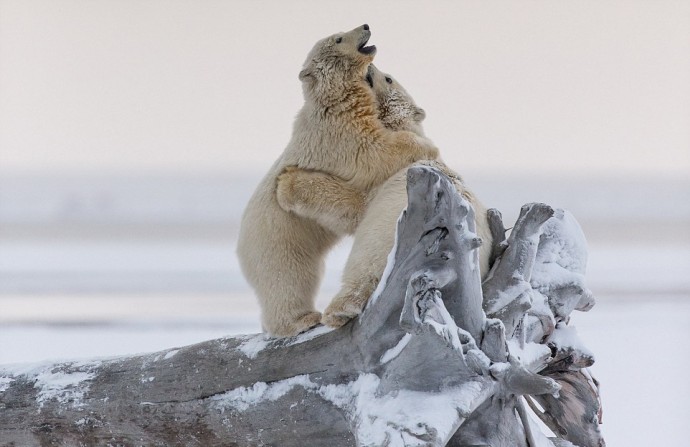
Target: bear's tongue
(364, 49)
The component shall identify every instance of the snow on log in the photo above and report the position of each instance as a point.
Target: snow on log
(431, 361)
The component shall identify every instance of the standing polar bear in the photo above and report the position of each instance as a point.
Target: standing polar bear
(375, 229)
(336, 132)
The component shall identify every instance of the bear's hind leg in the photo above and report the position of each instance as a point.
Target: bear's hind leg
(290, 322)
(301, 324)
(373, 241)
(349, 302)
(287, 298)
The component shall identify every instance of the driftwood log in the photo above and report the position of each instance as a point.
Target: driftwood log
(432, 361)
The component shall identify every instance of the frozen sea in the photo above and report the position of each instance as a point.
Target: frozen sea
(148, 263)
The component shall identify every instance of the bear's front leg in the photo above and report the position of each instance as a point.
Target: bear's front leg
(349, 302)
(399, 150)
(329, 200)
(414, 147)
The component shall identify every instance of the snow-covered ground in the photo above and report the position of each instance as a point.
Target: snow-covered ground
(93, 272)
(641, 347)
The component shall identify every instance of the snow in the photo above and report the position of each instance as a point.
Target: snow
(62, 387)
(5, 382)
(569, 252)
(395, 350)
(446, 328)
(253, 344)
(566, 336)
(310, 334)
(641, 284)
(531, 355)
(65, 384)
(380, 418)
(562, 254)
(242, 398)
(620, 330)
(559, 267)
(473, 260)
(170, 354)
(503, 297)
(377, 417)
(539, 436)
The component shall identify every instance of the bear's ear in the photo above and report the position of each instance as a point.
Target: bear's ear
(305, 74)
(419, 114)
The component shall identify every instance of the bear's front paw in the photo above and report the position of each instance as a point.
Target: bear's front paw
(432, 153)
(285, 188)
(289, 326)
(342, 309)
(306, 322)
(333, 320)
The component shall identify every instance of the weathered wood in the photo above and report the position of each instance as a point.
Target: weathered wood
(422, 366)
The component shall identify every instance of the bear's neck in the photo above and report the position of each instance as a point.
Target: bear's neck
(354, 101)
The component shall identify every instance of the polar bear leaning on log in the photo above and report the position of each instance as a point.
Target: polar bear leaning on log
(336, 132)
(375, 233)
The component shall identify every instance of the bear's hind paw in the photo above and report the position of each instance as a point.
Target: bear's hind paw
(288, 327)
(335, 320)
(306, 322)
(343, 309)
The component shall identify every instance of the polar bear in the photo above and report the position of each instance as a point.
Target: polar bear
(329, 199)
(375, 229)
(336, 132)
(374, 239)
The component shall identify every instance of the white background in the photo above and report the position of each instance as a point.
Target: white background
(585, 86)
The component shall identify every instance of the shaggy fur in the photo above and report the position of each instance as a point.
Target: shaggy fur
(375, 229)
(336, 132)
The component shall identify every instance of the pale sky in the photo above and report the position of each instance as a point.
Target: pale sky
(206, 85)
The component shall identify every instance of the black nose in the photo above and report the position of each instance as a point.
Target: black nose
(366, 27)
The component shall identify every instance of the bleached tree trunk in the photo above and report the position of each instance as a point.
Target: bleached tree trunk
(423, 365)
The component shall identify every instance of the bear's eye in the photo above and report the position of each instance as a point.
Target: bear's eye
(389, 80)
(338, 40)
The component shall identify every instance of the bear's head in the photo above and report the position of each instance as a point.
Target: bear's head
(335, 64)
(396, 108)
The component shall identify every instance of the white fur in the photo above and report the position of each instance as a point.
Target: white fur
(337, 132)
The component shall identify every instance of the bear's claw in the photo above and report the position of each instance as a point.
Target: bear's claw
(335, 321)
(307, 322)
(342, 309)
(285, 188)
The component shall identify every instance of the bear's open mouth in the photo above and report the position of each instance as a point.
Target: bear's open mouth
(362, 48)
